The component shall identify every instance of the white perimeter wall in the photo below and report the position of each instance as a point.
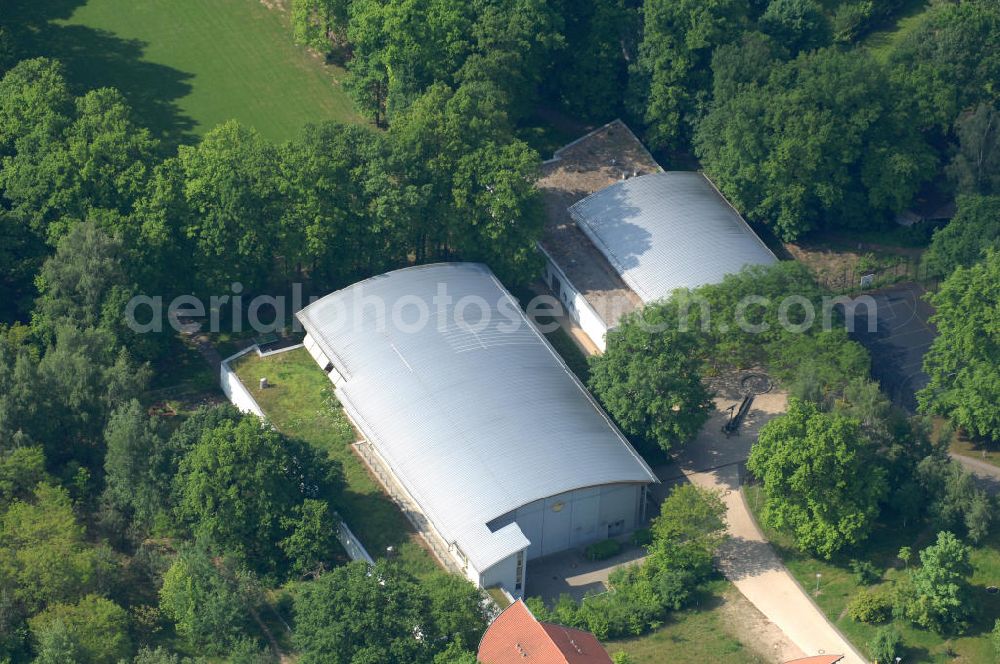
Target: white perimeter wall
(235, 390)
(575, 303)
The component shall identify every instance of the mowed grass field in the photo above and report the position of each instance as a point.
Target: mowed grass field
(188, 65)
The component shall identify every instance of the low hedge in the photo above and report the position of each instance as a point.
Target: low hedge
(603, 550)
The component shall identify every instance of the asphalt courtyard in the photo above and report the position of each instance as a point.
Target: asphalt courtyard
(900, 336)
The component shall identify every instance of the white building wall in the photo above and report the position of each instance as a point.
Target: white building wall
(576, 304)
(504, 574)
(579, 517)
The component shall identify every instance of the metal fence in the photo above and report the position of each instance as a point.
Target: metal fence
(860, 276)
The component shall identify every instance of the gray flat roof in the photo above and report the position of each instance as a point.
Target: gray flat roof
(475, 418)
(665, 231)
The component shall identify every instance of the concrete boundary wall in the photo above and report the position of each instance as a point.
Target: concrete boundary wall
(234, 388)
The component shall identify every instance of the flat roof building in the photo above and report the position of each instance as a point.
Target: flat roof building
(470, 410)
(623, 233)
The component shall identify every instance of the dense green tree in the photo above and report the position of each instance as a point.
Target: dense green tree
(99, 160)
(885, 645)
(821, 479)
(745, 315)
(964, 241)
(97, 627)
(241, 487)
(823, 143)
(500, 210)
(312, 542)
(44, 554)
(360, 614)
(952, 499)
(8, 50)
(962, 361)
(21, 254)
(334, 223)
(592, 70)
(514, 43)
(818, 367)
(136, 468)
(670, 77)
(202, 596)
(231, 190)
(688, 532)
(160, 655)
(57, 646)
(798, 25)
(975, 168)
(457, 608)
(402, 47)
(649, 380)
(21, 469)
(78, 382)
(743, 62)
(938, 598)
(84, 284)
(455, 653)
(34, 99)
(951, 61)
(319, 24)
(467, 184)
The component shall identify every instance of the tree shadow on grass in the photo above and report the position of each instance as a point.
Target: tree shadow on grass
(97, 58)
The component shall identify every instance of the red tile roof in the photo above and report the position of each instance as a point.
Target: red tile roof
(517, 637)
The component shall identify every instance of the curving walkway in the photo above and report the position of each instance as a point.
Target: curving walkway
(751, 564)
(713, 460)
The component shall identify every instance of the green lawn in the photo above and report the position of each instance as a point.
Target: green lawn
(300, 403)
(838, 586)
(693, 636)
(882, 42)
(188, 65)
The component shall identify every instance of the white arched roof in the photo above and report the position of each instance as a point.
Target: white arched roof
(665, 231)
(475, 419)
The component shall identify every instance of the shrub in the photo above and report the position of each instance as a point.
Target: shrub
(870, 606)
(603, 550)
(996, 638)
(886, 645)
(642, 537)
(865, 572)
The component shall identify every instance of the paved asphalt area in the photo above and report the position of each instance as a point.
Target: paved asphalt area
(900, 336)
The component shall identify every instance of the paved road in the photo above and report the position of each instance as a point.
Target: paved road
(751, 564)
(713, 460)
(987, 475)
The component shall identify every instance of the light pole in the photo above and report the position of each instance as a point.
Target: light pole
(818, 577)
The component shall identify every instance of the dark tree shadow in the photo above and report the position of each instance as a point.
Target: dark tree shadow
(97, 58)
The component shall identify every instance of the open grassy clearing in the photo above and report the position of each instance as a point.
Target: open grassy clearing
(187, 65)
(300, 402)
(882, 42)
(705, 633)
(838, 586)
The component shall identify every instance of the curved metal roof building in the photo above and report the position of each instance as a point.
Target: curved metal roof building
(670, 230)
(465, 401)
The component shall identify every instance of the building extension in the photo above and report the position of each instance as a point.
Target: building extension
(623, 233)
